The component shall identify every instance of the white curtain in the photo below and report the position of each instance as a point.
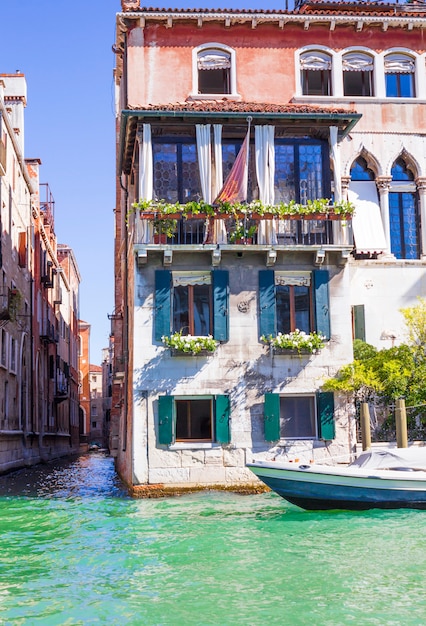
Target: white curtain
(146, 180)
(335, 159)
(265, 172)
(204, 152)
(219, 232)
(218, 178)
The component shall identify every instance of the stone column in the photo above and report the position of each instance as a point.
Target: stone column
(345, 236)
(421, 188)
(383, 185)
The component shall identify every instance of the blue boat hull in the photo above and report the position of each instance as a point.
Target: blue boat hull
(317, 497)
(356, 490)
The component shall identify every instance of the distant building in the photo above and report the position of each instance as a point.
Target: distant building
(107, 354)
(84, 380)
(330, 96)
(38, 303)
(97, 416)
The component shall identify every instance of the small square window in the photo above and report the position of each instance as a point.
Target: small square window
(194, 420)
(298, 417)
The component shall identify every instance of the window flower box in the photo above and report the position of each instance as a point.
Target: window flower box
(187, 345)
(254, 210)
(295, 342)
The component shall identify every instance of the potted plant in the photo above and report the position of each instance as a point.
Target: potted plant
(242, 233)
(164, 229)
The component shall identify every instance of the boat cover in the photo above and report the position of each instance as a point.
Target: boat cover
(401, 458)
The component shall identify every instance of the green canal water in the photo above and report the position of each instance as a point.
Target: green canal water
(74, 549)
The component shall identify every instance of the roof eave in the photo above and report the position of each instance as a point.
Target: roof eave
(346, 121)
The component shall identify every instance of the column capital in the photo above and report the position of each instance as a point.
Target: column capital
(383, 183)
(345, 180)
(421, 183)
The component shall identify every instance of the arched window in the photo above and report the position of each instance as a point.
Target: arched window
(358, 74)
(361, 171)
(214, 71)
(403, 213)
(315, 70)
(399, 75)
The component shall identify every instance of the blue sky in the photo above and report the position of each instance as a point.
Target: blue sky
(64, 49)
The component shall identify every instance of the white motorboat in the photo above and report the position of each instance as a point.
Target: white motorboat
(386, 479)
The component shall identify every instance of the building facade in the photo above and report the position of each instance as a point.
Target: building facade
(84, 379)
(325, 95)
(39, 300)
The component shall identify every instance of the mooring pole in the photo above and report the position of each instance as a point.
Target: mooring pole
(365, 426)
(401, 424)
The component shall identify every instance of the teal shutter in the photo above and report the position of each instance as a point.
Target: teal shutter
(222, 415)
(322, 304)
(220, 280)
(272, 416)
(358, 317)
(325, 410)
(267, 306)
(165, 419)
(162, 305)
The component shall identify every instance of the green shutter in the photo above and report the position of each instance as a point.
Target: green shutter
(272, 416)
(267, 308)
(322, 304)
(325, 409)
(222, 414)
(165, 419)
(220, 280)
(358, 316)
(162, 307)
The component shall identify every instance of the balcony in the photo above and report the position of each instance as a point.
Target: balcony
(48, 333)
(317, 224)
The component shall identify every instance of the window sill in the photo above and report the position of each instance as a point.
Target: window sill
(359, 99)
(214, 96)
(177, 353)
(292, 352)
(193, 445)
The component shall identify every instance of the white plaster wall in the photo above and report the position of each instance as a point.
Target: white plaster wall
(384, 288)
(385, 148)
(242, 368)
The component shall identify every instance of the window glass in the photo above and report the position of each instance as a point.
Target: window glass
(214, 67)
(316, 74)
(297, 417)
(176, 173)
(399, 73)
(361, 171)
(299, 173)
(285, 184)
(403, 215)
(194, 420)
(293, 308)
(357, 75)
(192, 309)
(310, 168)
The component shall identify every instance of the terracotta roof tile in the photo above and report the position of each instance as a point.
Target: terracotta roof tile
(230, 106)
(312, 7)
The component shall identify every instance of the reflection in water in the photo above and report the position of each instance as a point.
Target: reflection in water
(89, 475)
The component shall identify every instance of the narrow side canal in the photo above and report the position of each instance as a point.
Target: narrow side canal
(76, 550)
